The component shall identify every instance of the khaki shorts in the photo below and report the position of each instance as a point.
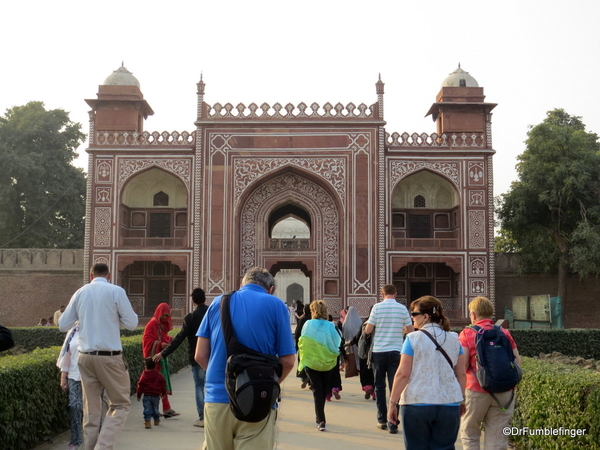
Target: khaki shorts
(222, 431)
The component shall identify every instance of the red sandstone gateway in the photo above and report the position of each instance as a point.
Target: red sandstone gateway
(325, 196)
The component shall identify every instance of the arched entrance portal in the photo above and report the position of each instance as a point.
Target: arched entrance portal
(292, 281)
(314, 245)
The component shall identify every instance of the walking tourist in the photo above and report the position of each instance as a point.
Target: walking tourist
(191, 324)
(430, 381)
(390, 319)
(319, 349)
(261, 322)
(101, 308)
(154, 340)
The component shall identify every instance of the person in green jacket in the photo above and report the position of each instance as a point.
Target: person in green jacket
(319, 347)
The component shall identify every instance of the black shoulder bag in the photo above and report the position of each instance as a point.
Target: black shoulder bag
(251, 377)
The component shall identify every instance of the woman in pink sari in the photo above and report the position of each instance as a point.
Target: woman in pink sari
(154, 340)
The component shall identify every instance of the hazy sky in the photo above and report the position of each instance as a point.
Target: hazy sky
(530, 56)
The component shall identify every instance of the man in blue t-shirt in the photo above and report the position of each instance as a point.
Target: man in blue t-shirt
(261, 322)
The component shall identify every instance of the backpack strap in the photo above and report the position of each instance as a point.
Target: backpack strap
(232, 345)
(478, 332)
(227, 326)
(512, 395)
(438, 347)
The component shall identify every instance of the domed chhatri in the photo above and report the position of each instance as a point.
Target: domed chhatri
(121, 77)
(460, 78)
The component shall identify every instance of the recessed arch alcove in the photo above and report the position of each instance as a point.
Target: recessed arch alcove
(425, 205)
(154, 210)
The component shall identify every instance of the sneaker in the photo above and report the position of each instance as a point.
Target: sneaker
(321, 426)
(382, 426)
(147, 424)
(170, 413)
(199, 423)
(393, 429)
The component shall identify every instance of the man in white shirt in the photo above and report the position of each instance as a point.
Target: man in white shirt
(389, 319)
(101, 308)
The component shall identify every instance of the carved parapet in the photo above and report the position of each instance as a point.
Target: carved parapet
(291, 112)
(436, 140)
(41, 259)
(164, 139)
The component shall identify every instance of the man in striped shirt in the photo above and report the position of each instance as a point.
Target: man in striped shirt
(389, 319)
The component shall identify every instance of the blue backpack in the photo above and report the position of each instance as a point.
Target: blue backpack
(496, 369)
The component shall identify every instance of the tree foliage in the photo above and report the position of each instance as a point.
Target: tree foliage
(42, 196)
(552, 213)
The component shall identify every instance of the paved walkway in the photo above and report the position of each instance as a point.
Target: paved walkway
(351, 422)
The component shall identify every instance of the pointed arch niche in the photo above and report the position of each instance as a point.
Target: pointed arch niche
(425, 212)
(289, 227)
(153, 211)
(314, 213)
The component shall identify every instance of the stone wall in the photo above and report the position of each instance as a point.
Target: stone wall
(35, 282)
(583, 301)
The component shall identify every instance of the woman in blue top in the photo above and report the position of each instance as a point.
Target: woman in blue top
(428, 386)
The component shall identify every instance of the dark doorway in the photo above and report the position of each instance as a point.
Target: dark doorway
(160, 225)
(419, 226)
(158, 292)
(419, 290)
(294, 292)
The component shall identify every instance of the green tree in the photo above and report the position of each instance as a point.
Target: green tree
(42, 196)
(552, 213)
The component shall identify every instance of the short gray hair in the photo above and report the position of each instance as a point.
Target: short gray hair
(260, 276)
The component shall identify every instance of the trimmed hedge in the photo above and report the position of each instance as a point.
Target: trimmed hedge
(33, 408)
(571, 342)
(555, 395)
(45, 337)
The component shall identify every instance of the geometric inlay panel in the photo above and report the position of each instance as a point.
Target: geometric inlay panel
(245, 171)
(447, 303)
(180, 167)
(138, 305)
(478, 287)
(334, 306)
(362, 304)
(101, 259)
(476, 177)
(476, 198)
(178, 307)
(477, 229)
(478, 266)
(103, 194)
(104, 170)
(401, 169)
(102, 227)
(178, 302)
